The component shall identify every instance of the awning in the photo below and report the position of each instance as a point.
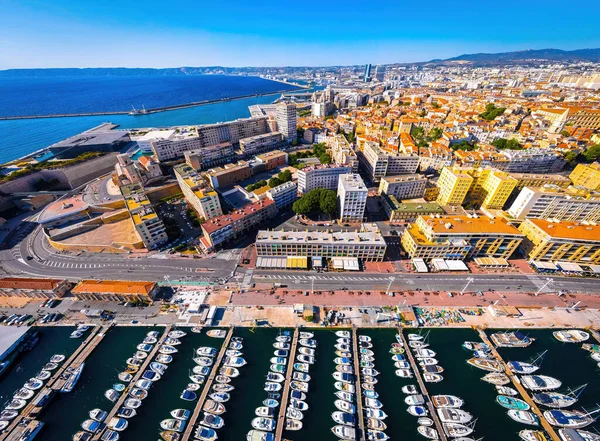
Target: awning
(337, 263)
(594, 268)
(544, 265)
(491, 261)
(317, 262)
(271, 262)
(345, 263)
(297, 262)
(449, 265)
(570, 267)
(420, 265)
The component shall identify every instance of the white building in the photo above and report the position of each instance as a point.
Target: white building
(378, 162)
(284, 195)
(321, 176)
(352, 198)
(286, 120)
(409, 186)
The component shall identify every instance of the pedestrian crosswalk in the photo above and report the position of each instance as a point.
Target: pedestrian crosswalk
(321, 277)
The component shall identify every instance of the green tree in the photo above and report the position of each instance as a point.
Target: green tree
(422, 143)
(572, 157)
(434, 134)
(417, 132)
(491, 112)
(319, 149)
(328, 202)
(565, 133)
(592, 153)
(325, 158)
(510, 144)
(274, 182)
(285, 176)
(463, 145)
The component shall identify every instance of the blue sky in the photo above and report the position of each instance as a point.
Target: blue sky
(93, 33)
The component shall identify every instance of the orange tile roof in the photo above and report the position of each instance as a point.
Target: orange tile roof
(29, 283)
(113, 287)
(568, 230)
(463, 224)
(216, 223)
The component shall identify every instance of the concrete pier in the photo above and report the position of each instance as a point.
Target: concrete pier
(136, 377)
(519, 387)
(187, 434)
(286, 387)
(417, 372)
(359, 398)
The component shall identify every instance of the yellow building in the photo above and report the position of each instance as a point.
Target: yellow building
(539, 180)
(197, 193)
(460, 237)
(453, 186)
(561, 241)
(148, 225)
(493, 188)
(587, 175)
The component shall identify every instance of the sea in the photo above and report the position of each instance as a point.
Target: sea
(567, 362)
(67, 95)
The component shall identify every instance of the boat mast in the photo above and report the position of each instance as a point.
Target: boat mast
(577, 391)
(539, 357)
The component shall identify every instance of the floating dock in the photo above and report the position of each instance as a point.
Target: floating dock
(286, 388)
(136, 377)
(424, 391)
(187, 434)
(519, 387)
(359, 406)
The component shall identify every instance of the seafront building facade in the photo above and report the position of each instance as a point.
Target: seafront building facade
(115, 290)
(202, 198)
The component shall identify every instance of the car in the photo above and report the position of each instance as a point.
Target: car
(28, 258)
(450, 294)
(135, 322)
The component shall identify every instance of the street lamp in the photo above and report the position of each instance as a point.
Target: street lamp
(312, 285)
(548, 281)
(469, 281)
(392, 279)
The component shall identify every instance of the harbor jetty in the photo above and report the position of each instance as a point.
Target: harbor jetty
(286, 388)
(26, 423)
(417, 372)
(359, 398)
(213, 373)
(519, 387)
(137, 376)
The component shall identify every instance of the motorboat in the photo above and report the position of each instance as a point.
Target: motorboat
(236, 353)
(132, 361)
(159, 368)
(435, 369)
(344, 341)
(476, 346)
(144, 347)
(222, 387)
(272, 386)
(150, 375)
(344, 368)
(279, 360)
(452, 415)
(203, 361)
(345, 354)
(375, 424)
(432, 378)
(345, 387)
(447, 401)
(206, 351)
(368, 386)
(365, 344)
(573, 419)
(571, 336)
(283, 338)
(415, 337)
(398, 357)
(33, 384)
(143, 384)
(150, 340)
(294, 414)
(169, 435)
(259, 435)
(344, 432)
(343, 377)
(301, 367)
(98, 415)
(138, 393)
(235, 361)
(558, 400)
(276, 353)
(378, 414)
(299, 385)
(486, 364)
(342, 361)
(367, 364)
(532, 435)
(373, 435)
(306, 334)
(512, 403)
(198, 379)
(404, 373)
(57, 358)
(212, 406)
(237, 345)
(282, 346)
(117, 424)
(344, 418)
(365, 351)
(164, 358)
(126, 376)
(512, 339)
(522, 368)
(425, 421)
(497, 378)
(154, 334)
(308, 342)
(76, 334)
(212, 421)
(369, 380)
(278, 368)
(230, 372)
(297, 395)
(201, 370)
(373, 403)
(92, 426)
(457, 430)
(409, 389)
(176, 334)
(292, 424)
(270, 402)
(24, 394)
(568, 434)
(265, 411)
(418, 344)
(425, 353)
(167, 350)
(428, 432)
(301, 376)
(217, 333)
(193, 387)
(427, 361)
(188, 395)
(345, 406)
(540, 382)
(417, 411)
(110, 435)
(50, 366)
(7, 415)
(370, 394)
(277, 377)
(343, 334)
(306, 351)
(16, 404)
(506, 390)
(261, 423)
(132, 403)
(172, 341)
(140, 355)
(220, 397)
(223, 379)
(524, 417)
(180, 414)
(126, 412)
(298, 404)
(172, 424)
(79, 436)
(369, 372)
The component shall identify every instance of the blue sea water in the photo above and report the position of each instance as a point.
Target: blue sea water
(21, 137)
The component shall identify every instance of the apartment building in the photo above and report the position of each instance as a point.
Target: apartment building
(210, 156)
(171, 143)
(261, 143)
(561, 241)
(34, 288)
(352, 198)
(401, 212)
(453, 186)
(321, 176)
(149, 227)
(283, 195)
(552, 202)
(368, 246)
(273, 159)
(539, 180)
(229, 226)
(197, 193)
(409, 186)
(587, 118)
(379, 163)
(587, 175)
(285, 116)
(115, 290)
(342, 152)
(460, 237)
(532, 160)
(228, 174)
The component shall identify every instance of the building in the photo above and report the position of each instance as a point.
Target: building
(401, 212)
(561, 241)
(34, 288)
(379, 72)
(587, 175)
(229, 226)
(149, 227)
(321, 176)
(283, 195)
(367, 74)
(313, 135)
(260, 143)
(432, 191)
(369, 246)
(95, 140)
(201, 198)
(115, 290)
(411, 186)
(491, 188)
(273, 159)
(587, 118)
(532, 160)
(352, 198)
(286, 120)
(539, 180)
(228, 174)
(460, 237)
(170, 143)
(378, 162)
(211, 156)
(342, 152)
(552, 202)
(454, 187)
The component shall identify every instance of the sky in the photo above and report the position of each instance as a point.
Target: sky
(132, 33)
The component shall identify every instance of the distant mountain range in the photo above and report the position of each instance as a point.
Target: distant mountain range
(523, 57)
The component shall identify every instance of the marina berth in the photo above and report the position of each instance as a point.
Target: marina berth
(571, 336)
(540, 382)
(212, 421)
(447, 401)
(205, 434)
(524, 417)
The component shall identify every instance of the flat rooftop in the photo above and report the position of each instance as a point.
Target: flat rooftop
(62, 208)
(93, 138)
(459, 225)
(568, 230)
(404, 178)
(320, 237)
(9, 335)
(352, 182)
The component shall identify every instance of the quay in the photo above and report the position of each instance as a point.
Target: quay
(595, 334)
(359, 406)
(26, 423)
(424, 391)
(286, 388)
(186, 435)
(136, 377)
(519, 387)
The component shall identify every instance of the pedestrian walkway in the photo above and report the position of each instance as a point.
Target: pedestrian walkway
(359, 397)
(286, 388)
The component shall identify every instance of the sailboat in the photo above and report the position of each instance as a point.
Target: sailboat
(574, 419)
(558, 400)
